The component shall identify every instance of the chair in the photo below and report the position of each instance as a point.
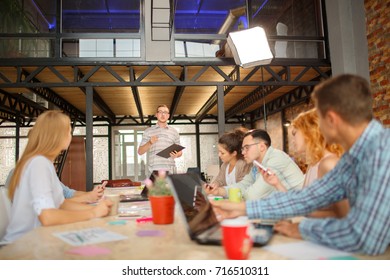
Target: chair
(5, 211)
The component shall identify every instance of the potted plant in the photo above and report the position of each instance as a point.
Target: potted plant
(161, 200)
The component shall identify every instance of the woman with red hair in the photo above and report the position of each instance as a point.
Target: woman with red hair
(319, 156)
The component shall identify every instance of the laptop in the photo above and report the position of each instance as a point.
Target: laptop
(196, 170)
(143, 196)
(201, 222)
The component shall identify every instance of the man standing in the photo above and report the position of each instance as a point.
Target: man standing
(257, 146)
(344, 108)
(158, 138)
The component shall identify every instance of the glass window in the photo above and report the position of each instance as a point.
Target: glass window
(208, 128)
(188, 159)
(100, 159)
(114, 16)
(7, 131)
(7, 158)
(207, 17)
(208, 151)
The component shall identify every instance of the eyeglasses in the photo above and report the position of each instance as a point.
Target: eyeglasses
(162, 112)
(246, 147)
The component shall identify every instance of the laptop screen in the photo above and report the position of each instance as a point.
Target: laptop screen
(193, 201)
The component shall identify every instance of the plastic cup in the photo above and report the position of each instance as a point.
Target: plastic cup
(236, 240)
(115, 198)
(234, 194)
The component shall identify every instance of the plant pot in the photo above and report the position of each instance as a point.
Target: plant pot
(163, 209)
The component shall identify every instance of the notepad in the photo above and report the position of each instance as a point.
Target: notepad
(166, 152)
(88, 236)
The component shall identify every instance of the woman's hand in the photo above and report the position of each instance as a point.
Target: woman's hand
(102, 209)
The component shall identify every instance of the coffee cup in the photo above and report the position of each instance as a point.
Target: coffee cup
(234, 194)
(237, 241)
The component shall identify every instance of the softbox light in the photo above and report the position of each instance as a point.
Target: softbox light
(250, 47)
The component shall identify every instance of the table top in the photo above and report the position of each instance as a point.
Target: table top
(174, 243)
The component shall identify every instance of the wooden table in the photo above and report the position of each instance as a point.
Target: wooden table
(175, 244)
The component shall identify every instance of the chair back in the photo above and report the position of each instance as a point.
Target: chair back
(5, 211)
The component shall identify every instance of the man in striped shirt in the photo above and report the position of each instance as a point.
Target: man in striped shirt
(344, 107)
(157, 138)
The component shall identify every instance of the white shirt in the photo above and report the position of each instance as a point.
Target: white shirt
(230, 177)
(39, 188)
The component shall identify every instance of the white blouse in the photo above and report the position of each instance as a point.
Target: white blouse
(230, 177)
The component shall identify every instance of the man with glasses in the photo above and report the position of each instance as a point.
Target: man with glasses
(257, 146)
(157, 138)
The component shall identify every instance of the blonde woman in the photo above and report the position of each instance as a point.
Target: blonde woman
(35, 190)
(319, 156)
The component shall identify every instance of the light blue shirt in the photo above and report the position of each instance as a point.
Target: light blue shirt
(363, 177)
(39, 188)
(253, 185)
(68, 192)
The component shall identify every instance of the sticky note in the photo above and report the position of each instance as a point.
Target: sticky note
(144, 233)
(117, 222)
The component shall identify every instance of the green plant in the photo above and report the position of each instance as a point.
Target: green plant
(159, 187)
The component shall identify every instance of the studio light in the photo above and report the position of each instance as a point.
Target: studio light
(250, 47)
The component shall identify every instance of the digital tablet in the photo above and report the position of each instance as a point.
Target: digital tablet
(166, 152)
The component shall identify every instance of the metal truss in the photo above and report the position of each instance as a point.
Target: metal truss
(135, 79)
(239, 79)
(298, 95)
(213, 100)
(18, 109)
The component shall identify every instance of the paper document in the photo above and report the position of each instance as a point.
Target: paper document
(305, 250)
(166, 152)
(88, 236)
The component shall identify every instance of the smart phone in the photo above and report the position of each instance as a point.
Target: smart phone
(103, 186)
(262, 167)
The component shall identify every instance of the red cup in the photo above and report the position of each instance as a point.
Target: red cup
(236, 239)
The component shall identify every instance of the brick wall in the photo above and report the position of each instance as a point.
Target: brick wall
(378, 30)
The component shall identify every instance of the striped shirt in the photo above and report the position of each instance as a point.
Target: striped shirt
(166, 137)
(362, 175)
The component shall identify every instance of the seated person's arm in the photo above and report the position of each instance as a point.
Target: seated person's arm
(71, 212)
(89, 197)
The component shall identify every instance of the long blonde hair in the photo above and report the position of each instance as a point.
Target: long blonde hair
(45, 138)
(307, 123)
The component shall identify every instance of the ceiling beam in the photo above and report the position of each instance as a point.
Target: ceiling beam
(99, 102)
(212, 101)
(136, 96)
(177, 95)
(19, 109)
(54, 98)
(97, 99)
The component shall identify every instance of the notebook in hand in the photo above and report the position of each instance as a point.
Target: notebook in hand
(201, 222)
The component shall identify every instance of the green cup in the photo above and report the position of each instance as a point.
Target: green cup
(235, 194)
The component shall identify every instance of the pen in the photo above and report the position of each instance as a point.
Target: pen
(79, 238)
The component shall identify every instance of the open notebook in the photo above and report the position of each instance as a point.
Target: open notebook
(202, 224)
